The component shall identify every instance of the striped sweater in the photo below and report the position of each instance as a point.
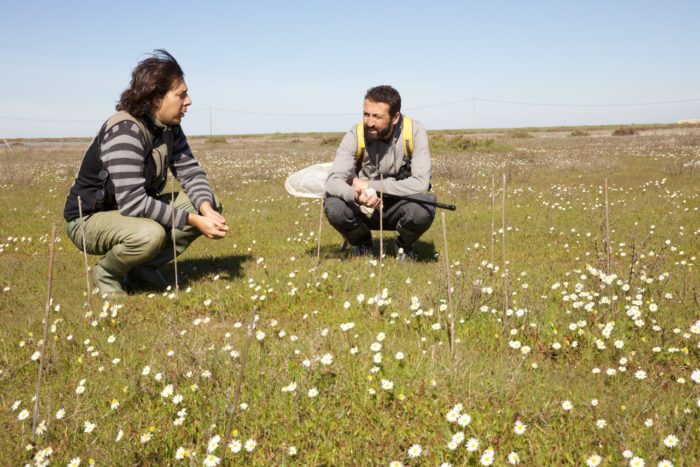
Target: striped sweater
(133, 182)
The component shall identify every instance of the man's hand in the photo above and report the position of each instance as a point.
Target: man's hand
(207, 211)
(210, 223)
(368, 197)
(364, 195)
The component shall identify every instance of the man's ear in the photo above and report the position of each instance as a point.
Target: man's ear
(396, 118)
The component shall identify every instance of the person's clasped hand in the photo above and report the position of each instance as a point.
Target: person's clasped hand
(368, 197)
(210, 222)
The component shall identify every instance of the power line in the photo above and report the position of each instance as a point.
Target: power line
(275, 114)
(470, 99)
(540, 104)
(442, 104)
(473, 100)
(26, 119)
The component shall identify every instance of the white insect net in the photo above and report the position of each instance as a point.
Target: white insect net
(308, 182)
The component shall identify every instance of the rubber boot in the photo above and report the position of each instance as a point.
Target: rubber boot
(403, 252)
(108, 282)
(144, 276)
(358, 236)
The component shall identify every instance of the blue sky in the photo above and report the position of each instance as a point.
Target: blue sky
(64, 64)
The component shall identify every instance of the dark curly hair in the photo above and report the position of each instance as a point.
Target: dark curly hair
(151, 80)
(386, 95)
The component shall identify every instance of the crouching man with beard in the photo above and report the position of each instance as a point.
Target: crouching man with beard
(387, 152)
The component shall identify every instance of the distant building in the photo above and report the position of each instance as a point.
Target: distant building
(689, 121)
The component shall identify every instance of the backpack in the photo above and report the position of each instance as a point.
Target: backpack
(160, 153)
(406, 137)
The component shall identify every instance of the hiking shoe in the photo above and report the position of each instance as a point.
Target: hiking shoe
(404, 253)
(108, 283)
(141, 276)
(363, 249)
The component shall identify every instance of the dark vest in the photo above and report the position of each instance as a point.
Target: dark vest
(93, 183)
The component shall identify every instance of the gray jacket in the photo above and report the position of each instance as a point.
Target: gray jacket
(383, 158)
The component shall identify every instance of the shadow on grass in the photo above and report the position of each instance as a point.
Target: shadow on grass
(192, 270)
(425, 251)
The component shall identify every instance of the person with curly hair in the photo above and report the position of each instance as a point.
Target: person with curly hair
(117, 199)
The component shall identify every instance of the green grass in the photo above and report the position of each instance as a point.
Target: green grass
(554, 250)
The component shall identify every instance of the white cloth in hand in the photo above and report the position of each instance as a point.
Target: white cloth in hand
(367, 211)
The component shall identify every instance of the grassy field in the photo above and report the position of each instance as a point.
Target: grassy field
(568, 349)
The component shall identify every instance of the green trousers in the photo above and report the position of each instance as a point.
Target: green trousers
(125, 242)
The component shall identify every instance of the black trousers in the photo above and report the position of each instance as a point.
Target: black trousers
(409, 218)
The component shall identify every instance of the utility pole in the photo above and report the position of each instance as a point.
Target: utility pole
(211, 132)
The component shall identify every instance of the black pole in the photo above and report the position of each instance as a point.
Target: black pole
(450, 207)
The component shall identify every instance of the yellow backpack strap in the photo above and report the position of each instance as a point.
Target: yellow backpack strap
(360, 141)
(407, 135)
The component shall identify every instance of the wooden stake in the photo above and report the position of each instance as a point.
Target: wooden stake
(172, 234)
(88, 290)
(449, 290)
(47, 309)
(505, 263)
(493, 218)
(607, 229)
(241, 372)
(320, 224)
(381, 246)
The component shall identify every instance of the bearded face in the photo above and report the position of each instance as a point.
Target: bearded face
(379, 125)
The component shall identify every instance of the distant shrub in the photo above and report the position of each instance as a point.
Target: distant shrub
(216, 140)
(442, 143)
(579, 133)
(333, 140)
(624, 131)
(519, 134)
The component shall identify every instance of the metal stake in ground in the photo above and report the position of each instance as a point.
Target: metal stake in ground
(47, 309)
(87, 269)
(172, 233)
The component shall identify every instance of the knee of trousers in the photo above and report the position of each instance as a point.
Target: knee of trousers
(146, 241)
(418, 217)
(338, 213)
